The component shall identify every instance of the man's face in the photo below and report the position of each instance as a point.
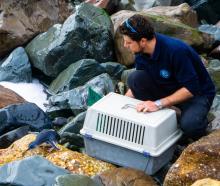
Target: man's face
(132, 45)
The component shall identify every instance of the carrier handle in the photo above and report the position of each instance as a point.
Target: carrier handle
(128, 106)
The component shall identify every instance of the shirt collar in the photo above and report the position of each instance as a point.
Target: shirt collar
(156, 53)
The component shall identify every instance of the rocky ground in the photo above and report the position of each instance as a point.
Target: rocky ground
(72, 49)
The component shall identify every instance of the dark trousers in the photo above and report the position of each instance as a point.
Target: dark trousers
(193, 119)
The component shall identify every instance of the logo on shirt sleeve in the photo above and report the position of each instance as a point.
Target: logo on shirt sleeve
(164, 73)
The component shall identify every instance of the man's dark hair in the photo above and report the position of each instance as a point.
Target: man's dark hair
(137, 27)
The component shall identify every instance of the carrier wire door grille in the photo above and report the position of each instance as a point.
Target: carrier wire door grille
(125, 130)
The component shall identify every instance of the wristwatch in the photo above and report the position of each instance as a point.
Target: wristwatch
(158, 103)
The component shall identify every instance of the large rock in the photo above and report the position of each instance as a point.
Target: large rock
(206, 182)
(72, 141)
(208, 11)
(215, 111)
(8, 97)
(125, 177)
(180, 14)
(74, 125)
(76, 75)
(22, 20)
(199, 160)
(85, 34)
(126, 74)
(16, 68)
(211, 29)
(34, 171)
(76, 99)
(8, 138)
(115, 70)
(147, 4)
(163, 24)
(214, 71)
(70, 133)
(14, 116)
(74, 162)
(79, 73)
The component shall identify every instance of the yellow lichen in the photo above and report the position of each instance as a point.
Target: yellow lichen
(73, 161)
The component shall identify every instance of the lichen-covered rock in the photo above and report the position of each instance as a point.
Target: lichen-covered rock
(182, 13)
(8, 97)
(125, 177)
(75, 162)
(206, 182)
(199, 160)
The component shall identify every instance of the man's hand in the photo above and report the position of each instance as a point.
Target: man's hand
(147, 106)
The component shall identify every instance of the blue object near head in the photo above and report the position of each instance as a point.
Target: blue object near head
(130, 27)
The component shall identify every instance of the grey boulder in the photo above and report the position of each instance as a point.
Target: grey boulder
(31, 171)
(16, 67)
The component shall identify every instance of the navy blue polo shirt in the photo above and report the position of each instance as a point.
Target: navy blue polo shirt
(174, 65)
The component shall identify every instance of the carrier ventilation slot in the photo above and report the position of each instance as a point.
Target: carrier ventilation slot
(125, 130)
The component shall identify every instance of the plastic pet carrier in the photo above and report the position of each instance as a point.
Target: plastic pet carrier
(115, 132)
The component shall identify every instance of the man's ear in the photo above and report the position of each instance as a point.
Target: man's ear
(143, 42)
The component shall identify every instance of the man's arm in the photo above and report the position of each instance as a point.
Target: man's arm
(186, 77)
(179, 96)
(129, 93)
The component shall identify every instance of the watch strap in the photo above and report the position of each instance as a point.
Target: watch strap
(159, 104)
